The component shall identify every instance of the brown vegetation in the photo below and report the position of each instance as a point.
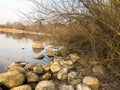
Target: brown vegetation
(85, 26)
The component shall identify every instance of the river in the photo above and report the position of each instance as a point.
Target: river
(16, 48)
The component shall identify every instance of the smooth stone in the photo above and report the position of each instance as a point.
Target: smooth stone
(32, 77)
(17, 68)
(46, 66)
(55, 67)
(92, 82)
(66, 87)
(12, 79)
(62, 74)
(67, 64)
(17, 64)
(30, 66)
(46, 76)
(98, 69)
(45, 85)
(74, 57)
(38, 56)
(23, 87)
(38, 70)
(71, 75)
(37, 44)
(82, 87)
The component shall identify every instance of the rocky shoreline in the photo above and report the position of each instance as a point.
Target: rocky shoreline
(59, 74)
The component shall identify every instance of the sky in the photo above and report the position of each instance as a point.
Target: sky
(9, 10)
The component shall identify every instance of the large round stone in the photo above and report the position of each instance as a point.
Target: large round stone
(12, 79)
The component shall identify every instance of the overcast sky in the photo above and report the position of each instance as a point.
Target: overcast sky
(9, 10)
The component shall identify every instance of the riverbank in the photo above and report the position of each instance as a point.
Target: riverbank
(61, 73)
(8, 30)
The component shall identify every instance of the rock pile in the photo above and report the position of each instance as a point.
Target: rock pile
(59, 74)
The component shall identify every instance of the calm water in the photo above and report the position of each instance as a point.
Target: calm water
(12, 49)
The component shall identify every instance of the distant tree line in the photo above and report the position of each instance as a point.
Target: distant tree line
(35, 26)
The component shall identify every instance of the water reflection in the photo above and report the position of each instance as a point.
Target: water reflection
(11, 49)
(37, 50)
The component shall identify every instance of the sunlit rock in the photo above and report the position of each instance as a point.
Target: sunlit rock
(46, 76)
(12, 79)
(38, 69)
(55, 67)
(92, 82)
(16, 64)
(30, 66)
(32, 77)
(62, 74)
(46, 66)
(17, 68)
(38, 56)
(45, 85)
(74, 57)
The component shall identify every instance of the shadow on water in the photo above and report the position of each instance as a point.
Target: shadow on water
(18, 47)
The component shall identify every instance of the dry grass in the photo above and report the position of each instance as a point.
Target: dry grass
(8, 30)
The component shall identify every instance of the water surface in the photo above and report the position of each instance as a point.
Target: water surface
(16, 49)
